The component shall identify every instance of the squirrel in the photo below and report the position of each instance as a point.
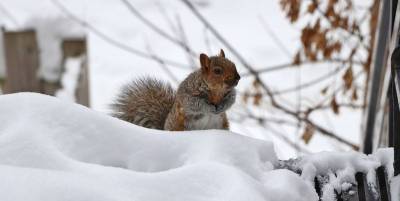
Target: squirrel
(199, 103)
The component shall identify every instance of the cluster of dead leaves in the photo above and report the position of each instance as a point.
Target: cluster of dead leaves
(322, 20)
(325, 18)
(257, 96)
(318, 43)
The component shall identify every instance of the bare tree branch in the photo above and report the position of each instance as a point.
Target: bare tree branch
(184, 39)
(163, 66)
(275, 38)
(264, 122)
(8, 14)
(156, 29)
(309, 83)
(112, 41)
(291, 65)
(166, 18)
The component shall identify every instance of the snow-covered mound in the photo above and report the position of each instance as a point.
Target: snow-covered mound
(51, 150)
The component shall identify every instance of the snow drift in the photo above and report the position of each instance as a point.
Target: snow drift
(51, 150)
(54, 150)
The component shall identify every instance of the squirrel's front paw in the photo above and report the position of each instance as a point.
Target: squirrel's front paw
(219, 108)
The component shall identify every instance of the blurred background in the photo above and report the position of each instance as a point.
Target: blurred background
(305, 65)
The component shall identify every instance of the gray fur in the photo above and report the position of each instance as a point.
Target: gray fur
(145, 102)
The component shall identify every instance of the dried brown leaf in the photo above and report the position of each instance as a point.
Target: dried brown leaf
(334, 105)
(354, 95)
(312, 7)
(297, 59)
(245, 97)
(348, 78)
(308, 133)
(256, 83)
(292, 9)
(257, 98)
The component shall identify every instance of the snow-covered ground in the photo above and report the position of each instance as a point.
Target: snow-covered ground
(238, 21)
(53, 150)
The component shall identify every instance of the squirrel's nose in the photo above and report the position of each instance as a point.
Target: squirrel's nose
(233, 81)
(237, 78)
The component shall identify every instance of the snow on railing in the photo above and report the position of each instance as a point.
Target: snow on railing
(346, 176)
(70, 79)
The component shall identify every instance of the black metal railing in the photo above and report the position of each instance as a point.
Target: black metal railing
(394, 113)
(385, 79)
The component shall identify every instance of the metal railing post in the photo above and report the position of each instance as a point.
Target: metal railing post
(394, 124)
(377, 75)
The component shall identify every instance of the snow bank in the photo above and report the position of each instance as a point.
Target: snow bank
(335, 171)
(51, 150)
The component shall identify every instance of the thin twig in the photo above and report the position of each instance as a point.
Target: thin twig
(207, 39)
(8, 14)
(288, 65)
(112, 41)
(275, 38)
(166, 18)
(163, 66)
(309, 83)
(156, 29)
(264, 123)
(184, 39)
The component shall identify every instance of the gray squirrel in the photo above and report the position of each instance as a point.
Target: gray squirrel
(199, 103)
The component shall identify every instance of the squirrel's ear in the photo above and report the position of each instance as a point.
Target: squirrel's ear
(205, 62)
(222, 53)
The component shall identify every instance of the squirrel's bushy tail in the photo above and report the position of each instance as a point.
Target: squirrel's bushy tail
(145, 102)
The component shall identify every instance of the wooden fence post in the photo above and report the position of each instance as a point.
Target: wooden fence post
(2, 60)
(22, 62)
(76, 47)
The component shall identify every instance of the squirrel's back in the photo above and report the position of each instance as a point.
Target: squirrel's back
(145, 102)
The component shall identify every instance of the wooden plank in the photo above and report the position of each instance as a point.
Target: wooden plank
(49, 88)
(22, 61)
(82, 92)
(2, 60)
(76, 47)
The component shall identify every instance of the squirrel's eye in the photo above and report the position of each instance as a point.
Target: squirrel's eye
(217, 71)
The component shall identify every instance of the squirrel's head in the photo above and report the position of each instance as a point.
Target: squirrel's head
(220, 74)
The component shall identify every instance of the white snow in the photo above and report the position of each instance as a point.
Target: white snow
(69, 79)
(55, 150)
(395, 188)
(52, 150)
(341, 168)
